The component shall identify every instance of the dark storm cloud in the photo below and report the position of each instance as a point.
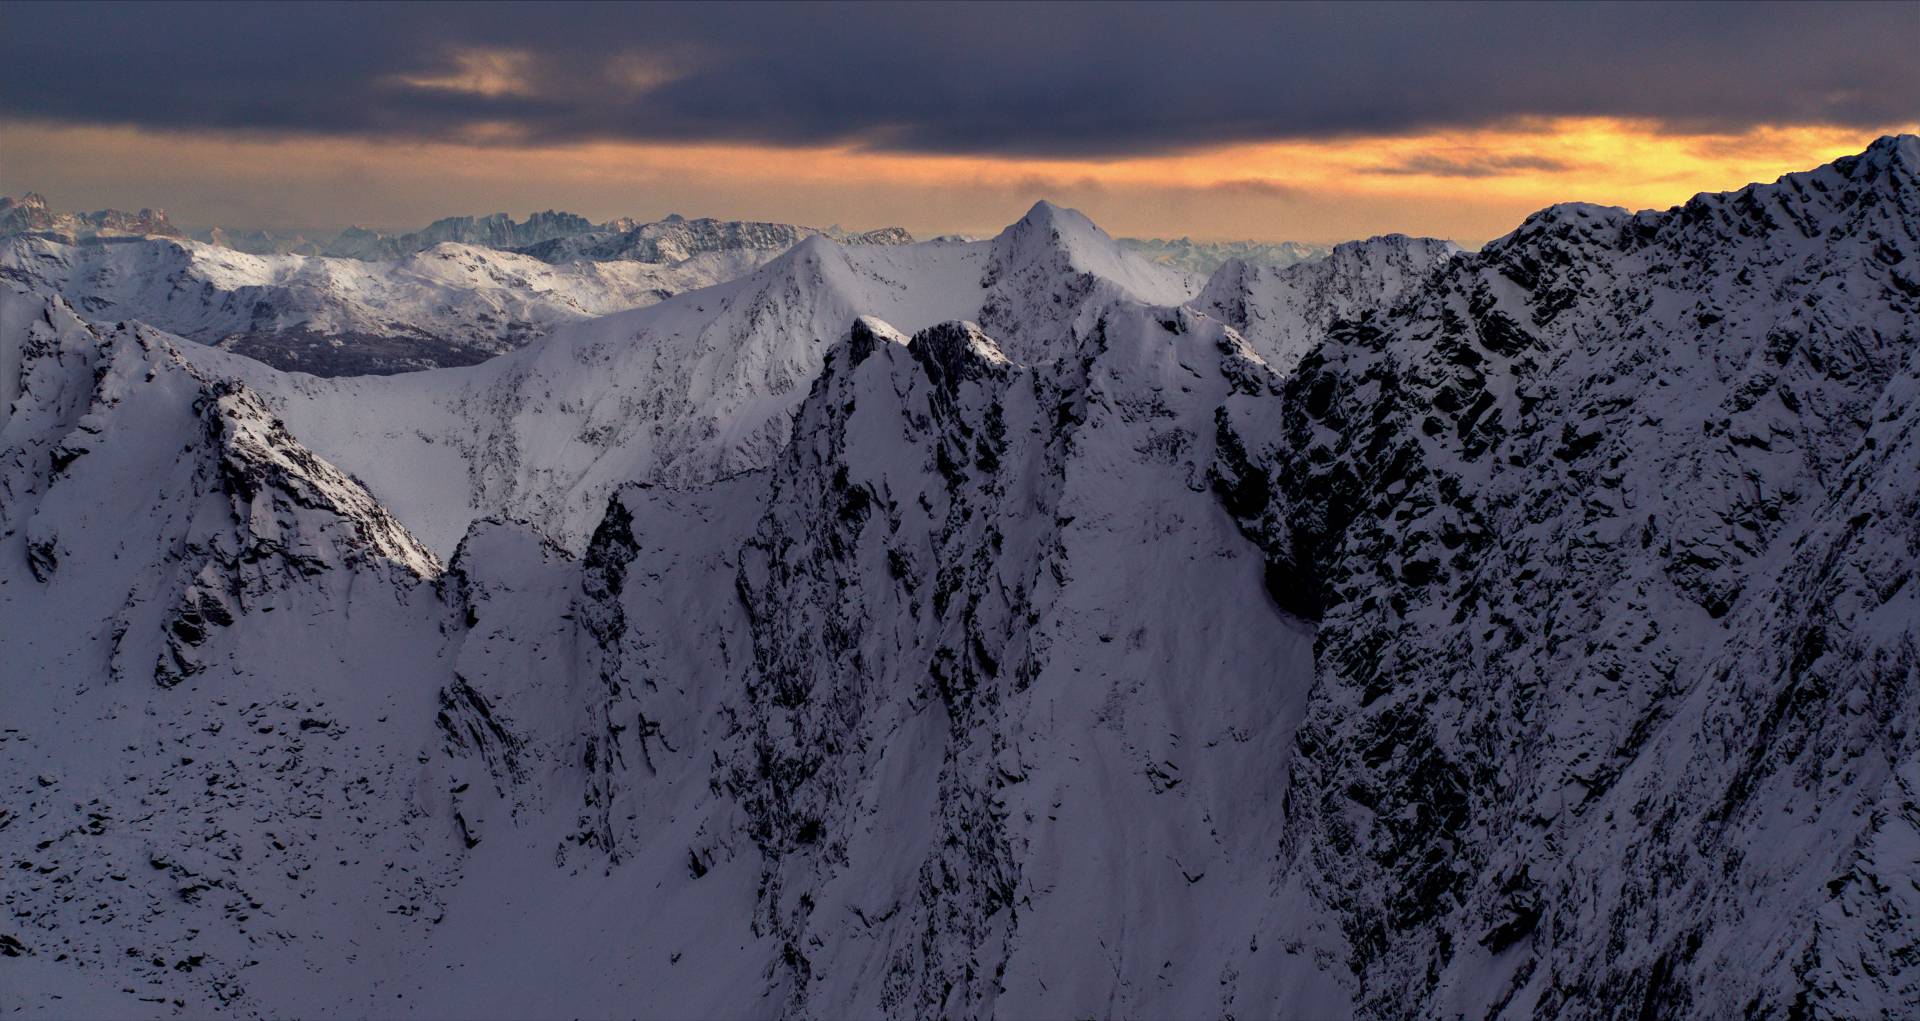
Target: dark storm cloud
(1053, 79)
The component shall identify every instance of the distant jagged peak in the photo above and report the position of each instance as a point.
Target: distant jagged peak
(31, 213)
(877, 236)
(677, 238)
(1282, 311)
(549, 220)
(1208, 256)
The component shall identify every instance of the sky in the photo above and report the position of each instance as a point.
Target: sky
(1218, 121)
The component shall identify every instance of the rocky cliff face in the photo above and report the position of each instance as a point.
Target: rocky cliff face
(968, 686)
(1572, 521)
(1526, 633)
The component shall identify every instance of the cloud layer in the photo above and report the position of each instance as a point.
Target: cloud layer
(1053, 79)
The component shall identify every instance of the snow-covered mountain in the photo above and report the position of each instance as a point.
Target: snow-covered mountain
(452, 304)
(699, 386)
(1207, 256)
(1001, 628)
(1610, 530)
(456, 293)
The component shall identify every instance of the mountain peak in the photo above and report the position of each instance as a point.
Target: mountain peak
(1044, 208)
(1904, 147)
(1062, 219)
(1050, 239)
(1899, 154)
(815, 245)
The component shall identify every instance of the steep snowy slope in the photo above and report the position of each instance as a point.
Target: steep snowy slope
(214, 691)
(615, 712)
(1017, 690)
(449, 305)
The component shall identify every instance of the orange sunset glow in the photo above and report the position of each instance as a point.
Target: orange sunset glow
(1470, 185)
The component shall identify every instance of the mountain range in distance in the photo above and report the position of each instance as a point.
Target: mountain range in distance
(460, 291)
(553, 236)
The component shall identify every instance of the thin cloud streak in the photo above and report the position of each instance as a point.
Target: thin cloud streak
(1471, 166)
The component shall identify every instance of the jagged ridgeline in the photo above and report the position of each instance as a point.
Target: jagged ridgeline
(1020, 627)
